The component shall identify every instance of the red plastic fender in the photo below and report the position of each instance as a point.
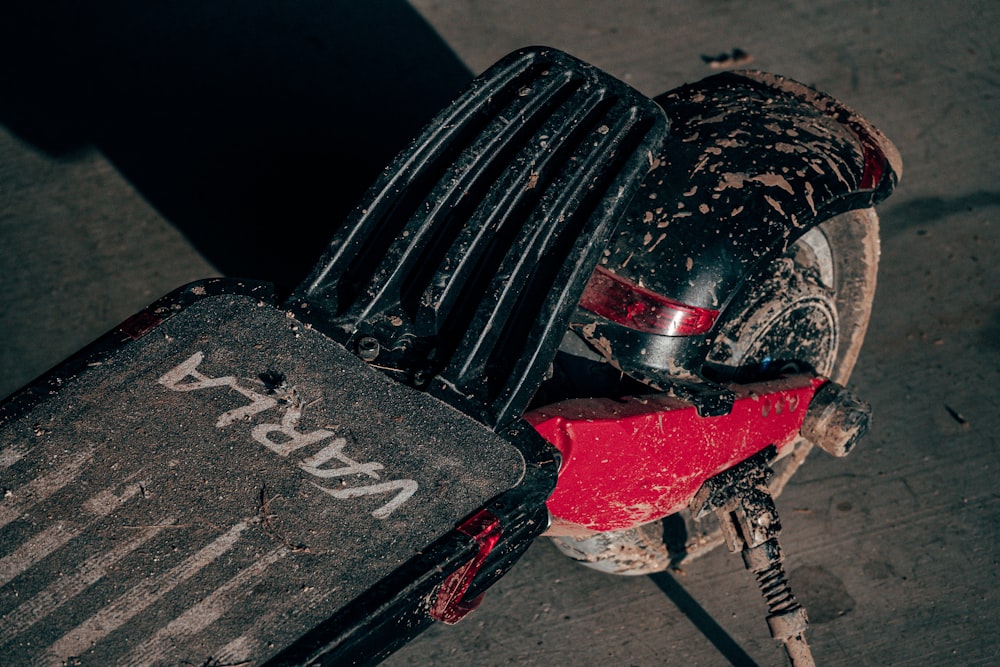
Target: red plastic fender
(629, 462)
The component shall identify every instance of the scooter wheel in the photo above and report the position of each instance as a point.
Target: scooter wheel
(808, 309)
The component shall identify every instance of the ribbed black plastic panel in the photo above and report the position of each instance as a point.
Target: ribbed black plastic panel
(459, 269)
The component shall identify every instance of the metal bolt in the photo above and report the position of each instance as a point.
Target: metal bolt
(368, 348)
(835, 420)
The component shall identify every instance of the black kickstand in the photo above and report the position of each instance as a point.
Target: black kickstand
(742, 502)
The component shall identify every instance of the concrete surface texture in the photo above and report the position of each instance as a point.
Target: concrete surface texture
(145, 147)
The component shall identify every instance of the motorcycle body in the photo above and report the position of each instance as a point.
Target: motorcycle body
(557, 270)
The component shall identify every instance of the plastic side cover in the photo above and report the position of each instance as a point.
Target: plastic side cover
(632, 462)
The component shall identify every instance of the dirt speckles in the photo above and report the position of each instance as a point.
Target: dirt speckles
(737, 180)
(808, 187)
(660, 238)
(600, 343)
(773, 203)
(731, 180)
(775, 181)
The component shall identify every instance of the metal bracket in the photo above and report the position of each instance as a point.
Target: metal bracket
(749, 520)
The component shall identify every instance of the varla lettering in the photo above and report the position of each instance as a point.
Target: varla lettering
(284, 438)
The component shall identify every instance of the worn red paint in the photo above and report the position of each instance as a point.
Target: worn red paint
(629, 462)
(140, 324)
(450, 605)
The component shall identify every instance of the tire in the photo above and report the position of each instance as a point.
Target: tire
(808, 309)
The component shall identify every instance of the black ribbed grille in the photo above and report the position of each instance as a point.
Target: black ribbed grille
(466, 257)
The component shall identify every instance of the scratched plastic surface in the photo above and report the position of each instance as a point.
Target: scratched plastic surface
(217, 488)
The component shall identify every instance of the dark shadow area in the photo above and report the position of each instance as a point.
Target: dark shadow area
(929, 210)
(702, 620)
(252, 126)
(675, 537)
(990, 336)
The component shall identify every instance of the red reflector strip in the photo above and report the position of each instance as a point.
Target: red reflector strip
(622, 301)
(450, 605)
(140, 324)
(874, 163)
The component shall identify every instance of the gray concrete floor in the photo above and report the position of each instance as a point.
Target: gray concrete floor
(112, 192)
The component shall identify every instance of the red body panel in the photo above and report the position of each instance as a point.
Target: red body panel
(630, 462)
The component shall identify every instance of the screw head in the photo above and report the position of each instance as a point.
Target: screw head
(368, 348)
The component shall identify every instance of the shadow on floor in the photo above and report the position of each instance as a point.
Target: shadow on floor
(252, 126)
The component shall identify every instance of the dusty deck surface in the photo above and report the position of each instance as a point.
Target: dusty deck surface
(140, 152)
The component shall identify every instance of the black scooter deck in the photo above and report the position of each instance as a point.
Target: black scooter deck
(220, 486)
